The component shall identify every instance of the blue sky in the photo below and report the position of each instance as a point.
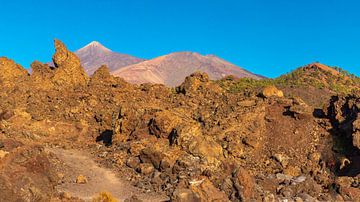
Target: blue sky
(263, 36)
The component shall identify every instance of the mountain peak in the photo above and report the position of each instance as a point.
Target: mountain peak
(323, 67)
(94, 55)
(94, 46)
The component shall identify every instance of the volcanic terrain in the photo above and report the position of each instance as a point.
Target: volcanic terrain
(65, 136)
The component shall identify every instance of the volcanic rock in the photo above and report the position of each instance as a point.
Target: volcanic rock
(11, 73)
(206, 191)
(244, 184)
(270, 91)
(68, 70)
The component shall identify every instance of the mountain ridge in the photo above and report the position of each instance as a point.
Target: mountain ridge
(94, 54)
(171, 69)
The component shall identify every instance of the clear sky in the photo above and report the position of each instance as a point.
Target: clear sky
(268, 37)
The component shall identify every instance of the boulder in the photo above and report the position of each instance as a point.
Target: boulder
(193, 82)
(207, 149)
(184, 195)
(146, 168)
(163, 123)
(299, 108)
(271, 91)
(206, 191)
(244, 184)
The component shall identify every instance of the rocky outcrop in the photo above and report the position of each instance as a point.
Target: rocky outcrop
(356, 134)
(68, 70)
(196, 82)
(102, 77)
(343, 112)
(11, 73)
(41, 75)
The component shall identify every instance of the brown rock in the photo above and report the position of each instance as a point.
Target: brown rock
(133, 162)
(184, 195)
(315, 157)
(350, 193)
(282, 159)
(3, 153)
(10, 72)
(41, 75)
(68, 69)
(207, 149)
(270, 91)
(206, 191)
(356, 140)
(292, 171)
(146, 168)
(6, 115)
(299, 107)
(356, 134)
(193, 82)
(41, 70)
(81, 179)
(163, 123)
(102, 76)
(244, 184)
(150, 155)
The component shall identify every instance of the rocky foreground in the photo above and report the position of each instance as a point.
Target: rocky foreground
(195, 142)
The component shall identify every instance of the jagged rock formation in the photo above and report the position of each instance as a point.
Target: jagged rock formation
(199, 141)
(11, 73)
(68, 71)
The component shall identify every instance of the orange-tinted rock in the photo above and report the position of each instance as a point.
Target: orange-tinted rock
(102, 77)
(68, 69)
(193, 82)
(41, 75)
(244, 184)
(206, 191)
(163, 123)
(184, 195)
(270, 91)
(11, 73)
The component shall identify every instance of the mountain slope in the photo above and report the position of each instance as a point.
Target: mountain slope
(315, 83)
(321, 76)
(172, 69)
(93, 55)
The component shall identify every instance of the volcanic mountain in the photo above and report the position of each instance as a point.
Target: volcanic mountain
(172, 69)
(316, 83)
(93, 55)
(321, 76)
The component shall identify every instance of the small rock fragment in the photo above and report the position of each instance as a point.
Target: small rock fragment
(3, 153)
(81, 179)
